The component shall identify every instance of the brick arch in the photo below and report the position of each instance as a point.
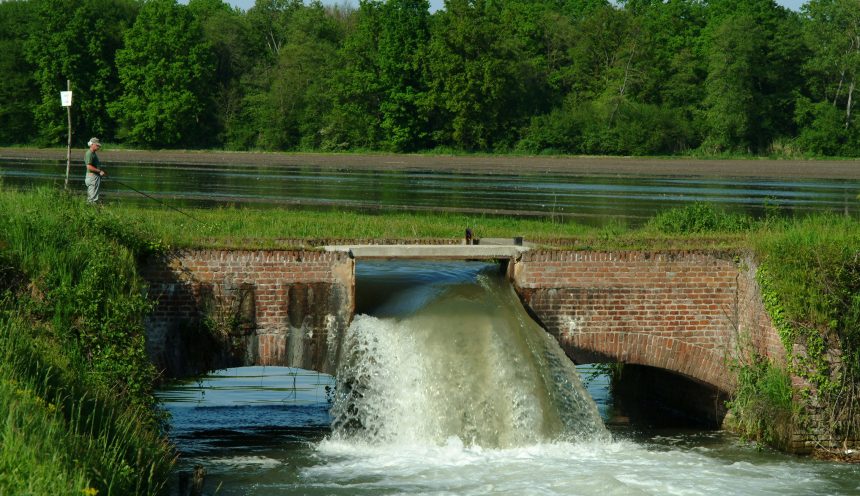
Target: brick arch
(676, 311)
(291, 307)
(675, 355)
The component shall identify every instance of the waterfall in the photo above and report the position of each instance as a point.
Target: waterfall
(469, 363)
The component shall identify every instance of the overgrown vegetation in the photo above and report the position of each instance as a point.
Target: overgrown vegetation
(631, 77)
(75, 382)
(699, 218)
(810, 279)
(762, 408)
(809, 274)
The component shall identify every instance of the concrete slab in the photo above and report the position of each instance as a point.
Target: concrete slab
(431, 252)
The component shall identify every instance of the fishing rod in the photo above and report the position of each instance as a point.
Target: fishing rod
(157, 200)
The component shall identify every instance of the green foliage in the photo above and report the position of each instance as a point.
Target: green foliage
(76, 40)
(82, 268)
(18, 91)
(762, 407)
(587, 76)
(698, 218)
(810, 279)
(750, 93)
(616, 128)
(824, 112)
(75, 380)
(480, 74)
(823, 130)
(166, 70)
(230, 35)
(404, 34)
(731, 99)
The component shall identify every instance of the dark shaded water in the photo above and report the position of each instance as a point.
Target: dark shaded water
(591, 199)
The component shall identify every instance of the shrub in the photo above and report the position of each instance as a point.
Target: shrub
(762, 405)
(698, 218)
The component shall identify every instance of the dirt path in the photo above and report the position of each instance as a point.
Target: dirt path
(788, 169)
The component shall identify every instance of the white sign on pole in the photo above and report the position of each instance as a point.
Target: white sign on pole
(66, 98)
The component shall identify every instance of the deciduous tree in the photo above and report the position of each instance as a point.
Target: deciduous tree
(77, 40)
(832, 33)
(19, 94)
(166, 73)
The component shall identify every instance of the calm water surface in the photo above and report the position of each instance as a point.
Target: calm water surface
(592, 199)
(274, 431)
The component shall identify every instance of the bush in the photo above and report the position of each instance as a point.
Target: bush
(698, 218)
(615, 127)
(761, 409)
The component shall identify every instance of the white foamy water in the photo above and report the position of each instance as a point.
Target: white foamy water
(563, 468)
(471, 365)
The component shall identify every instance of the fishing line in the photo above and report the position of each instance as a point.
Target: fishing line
(159, 201)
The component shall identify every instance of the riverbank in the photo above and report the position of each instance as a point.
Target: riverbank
(76, 386)
(489, 164)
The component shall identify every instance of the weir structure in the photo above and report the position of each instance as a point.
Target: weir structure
(687, 313)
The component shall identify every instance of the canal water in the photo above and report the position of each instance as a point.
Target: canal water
(593, 199)
(447, 387)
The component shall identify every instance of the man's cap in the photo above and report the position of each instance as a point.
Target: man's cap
(94, 141)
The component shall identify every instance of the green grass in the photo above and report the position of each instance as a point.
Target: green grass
(283, 229)
(75, 382)
(228, 227)
(60, 436)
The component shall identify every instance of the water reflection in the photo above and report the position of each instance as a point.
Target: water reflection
(592, 199)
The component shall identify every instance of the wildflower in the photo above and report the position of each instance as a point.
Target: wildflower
(90, 491)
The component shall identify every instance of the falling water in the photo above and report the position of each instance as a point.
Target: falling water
(470, 365)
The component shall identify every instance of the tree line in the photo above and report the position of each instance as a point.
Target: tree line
(535, 76)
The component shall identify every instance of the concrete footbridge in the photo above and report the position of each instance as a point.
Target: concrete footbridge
(484, 249)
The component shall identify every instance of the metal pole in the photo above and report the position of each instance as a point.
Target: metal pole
(69, 146)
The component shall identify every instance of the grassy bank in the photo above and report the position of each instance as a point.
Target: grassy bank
(75, 383)
(283, 229)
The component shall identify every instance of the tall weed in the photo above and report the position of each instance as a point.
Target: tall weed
(75, 381)
(762, 406)
(698, 218)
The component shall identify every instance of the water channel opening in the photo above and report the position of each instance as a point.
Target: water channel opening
(657, 398)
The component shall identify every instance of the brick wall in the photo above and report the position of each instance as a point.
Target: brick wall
(679, 311)
(218, 309)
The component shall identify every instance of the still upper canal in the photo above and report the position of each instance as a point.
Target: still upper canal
(594, 197)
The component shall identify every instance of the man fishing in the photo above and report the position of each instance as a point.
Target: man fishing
(94, 170)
